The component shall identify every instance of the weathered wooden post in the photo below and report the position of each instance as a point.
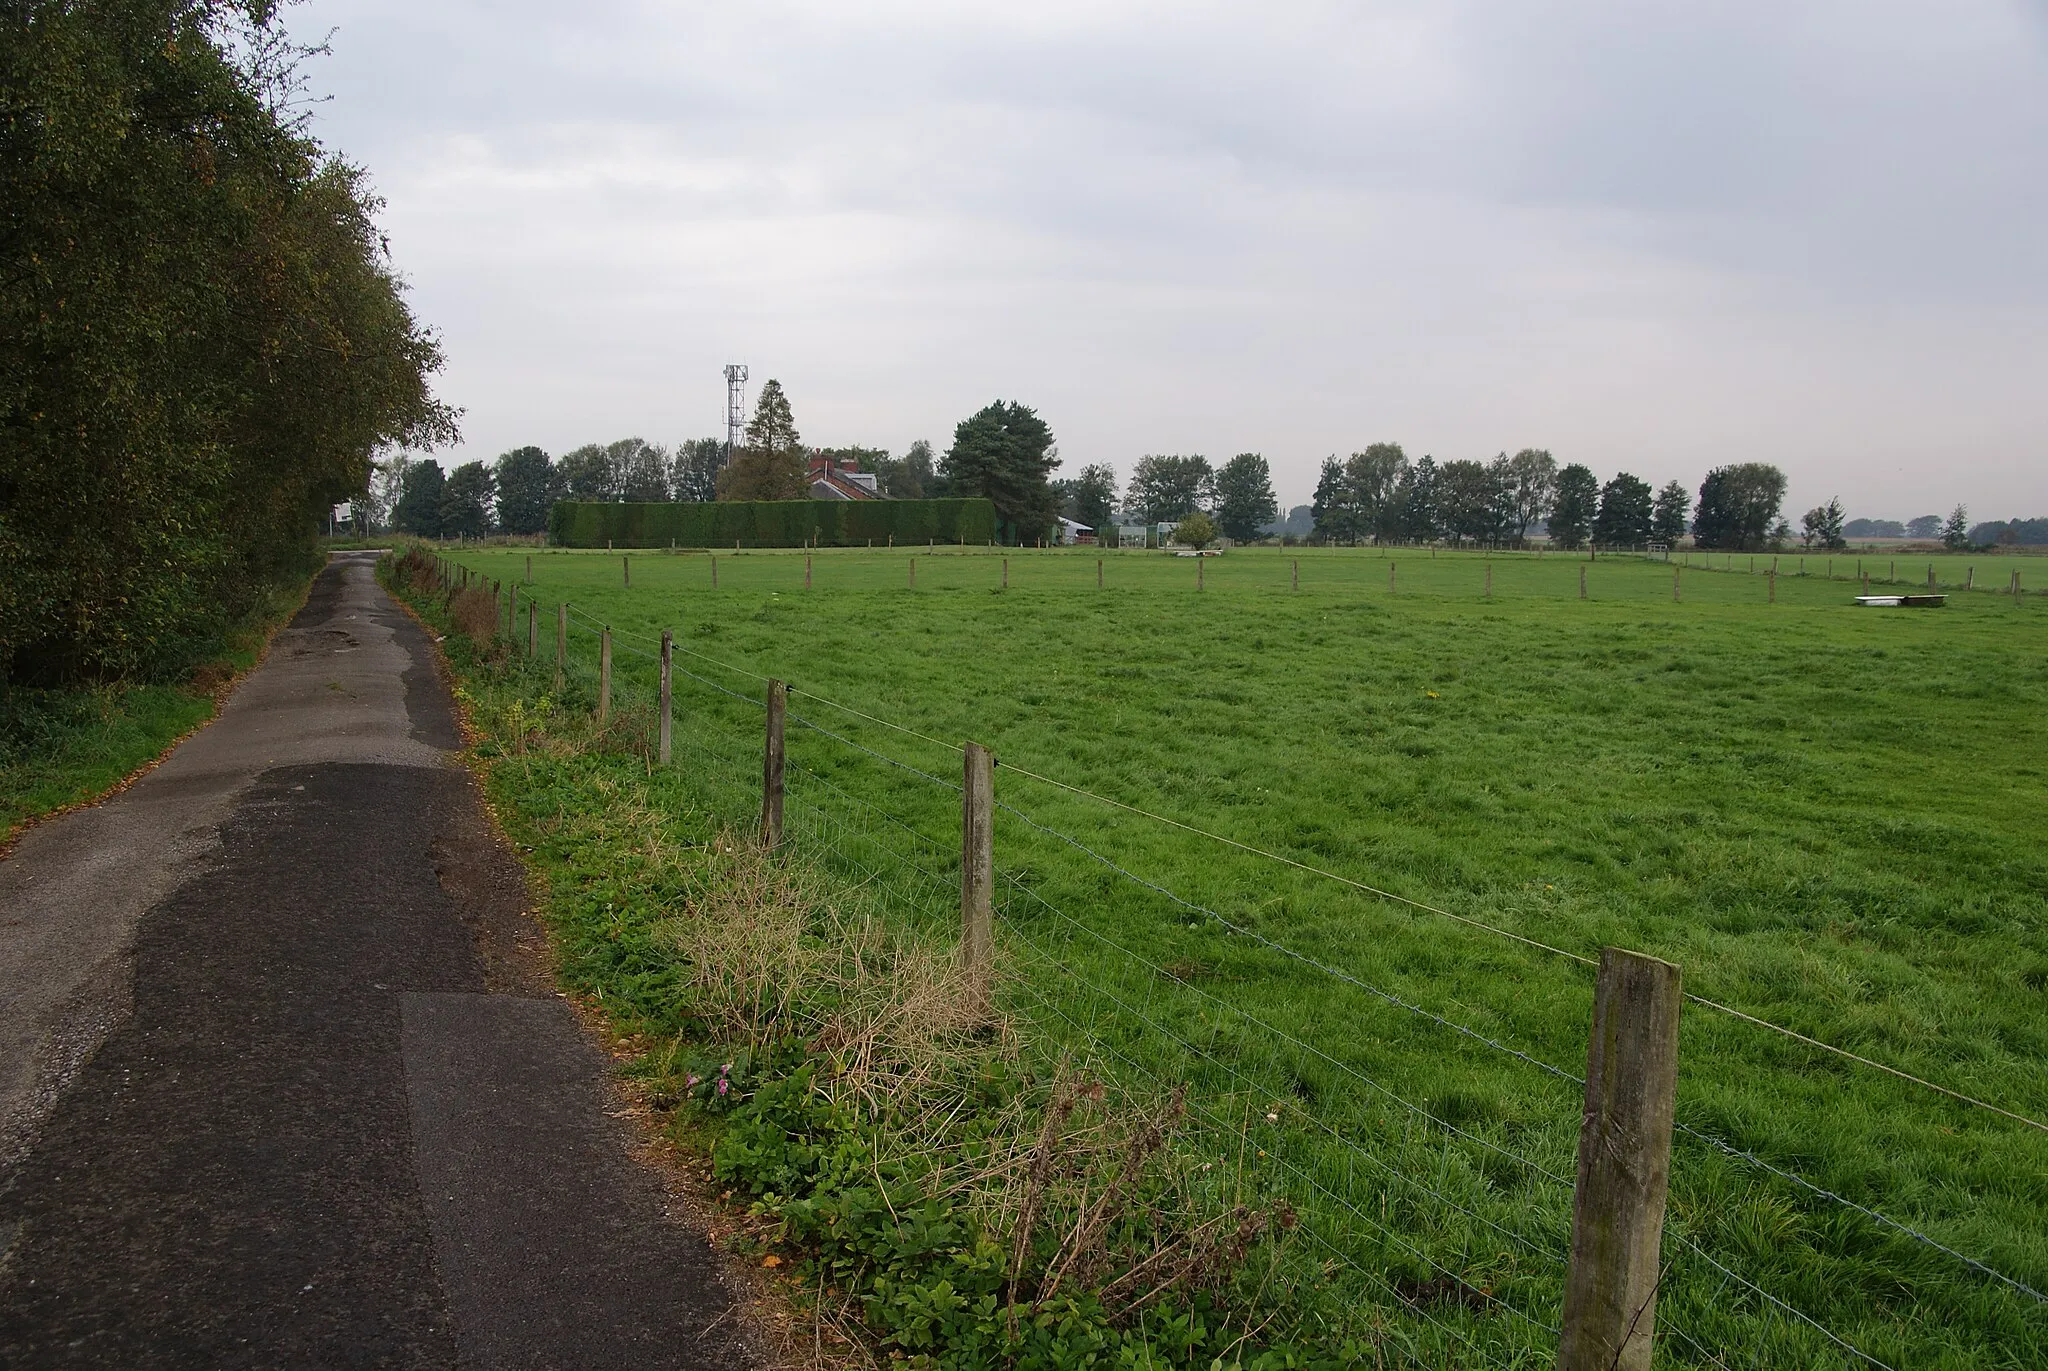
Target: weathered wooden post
(771, 767)
(1390, 578)
(1199, 559)
(1582, 580)
(1006, 573)
(1675, 571)
(714, 571)
(913, 573)
(1866, 583)
(1297, 573)
(1098, 573)
(561, 644)
(1773, 579)
(1610, 1296)
(1489, 580)
(604, 677)
(529, 568)
(807, 573)
(977, 877)
(1970, 578)
(532, 628)
(668, 645)
(626, 572)
(1930, 575)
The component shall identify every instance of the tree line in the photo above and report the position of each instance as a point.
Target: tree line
(202, 340)
(1003, 452)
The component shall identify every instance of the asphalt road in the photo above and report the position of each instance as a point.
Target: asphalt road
(283, 1080)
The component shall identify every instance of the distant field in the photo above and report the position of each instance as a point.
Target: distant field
(1830, 816)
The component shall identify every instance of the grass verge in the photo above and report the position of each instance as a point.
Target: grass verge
(61, 748)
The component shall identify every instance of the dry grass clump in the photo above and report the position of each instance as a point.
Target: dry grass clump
(772, 950)
(474, 612)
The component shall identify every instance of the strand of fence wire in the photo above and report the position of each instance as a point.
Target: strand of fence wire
(1334, 972)
(1338, 973)
(1583, 960)
(1288, 1038)
(1224, 1127)
(1905, 1230)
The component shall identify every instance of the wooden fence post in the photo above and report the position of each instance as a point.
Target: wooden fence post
(1773, 581)
(1098, 573)
(913, 573)
(561, 644)
(807, 573)
(714, 571)
(1930, 575)
(1675, 571)
(604, 678)
(1970, 578)
(626, 572)
(1297, 573)
(1582, 580)
(1489, 580)
(529, 568)
(977, 877)
(668, 645)
(1006, 573)
(1390, 578)
(532, 628)
(1610, 1296)
(1198, 570)
(771, 767)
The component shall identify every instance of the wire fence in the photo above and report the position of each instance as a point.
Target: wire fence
(1425, 1137)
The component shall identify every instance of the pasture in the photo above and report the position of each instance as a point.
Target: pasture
(1829, 816)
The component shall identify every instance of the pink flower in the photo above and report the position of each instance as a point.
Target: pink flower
(723, 1085)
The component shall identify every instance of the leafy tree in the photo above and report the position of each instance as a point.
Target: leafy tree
(466, 501)
(642, 469)
(1532, 476)
(588, 474)
(1626, 511)
(1668, 516)
(203, 344)
(419, 499)
(914, 478)
(1094, 496)
(1874, 528)
(694, 474)
(1821, 527)
(1372, 482)
(1473, 499)
(1331, 508)
(1572, 507)
(526, 490)
(1166, 488)
(1196, 530)
(1955, 532)
(1738, 507)
(1244, 497)
(1926, 526)
(771, 466)
(1418, 500)
(1004, 452)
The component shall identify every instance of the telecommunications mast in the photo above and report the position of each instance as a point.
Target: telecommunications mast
(735, 406)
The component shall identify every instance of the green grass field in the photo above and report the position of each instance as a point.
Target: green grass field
(1830, 816)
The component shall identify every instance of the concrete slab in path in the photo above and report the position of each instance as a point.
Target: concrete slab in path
(273, 1113)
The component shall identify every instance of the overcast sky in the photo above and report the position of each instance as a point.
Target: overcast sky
(1645, 236)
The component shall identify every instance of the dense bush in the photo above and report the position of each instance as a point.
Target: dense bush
(771, 523)
(201, 342)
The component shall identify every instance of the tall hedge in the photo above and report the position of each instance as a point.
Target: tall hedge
(770, 523)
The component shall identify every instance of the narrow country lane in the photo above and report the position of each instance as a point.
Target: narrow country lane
(283, 1077)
